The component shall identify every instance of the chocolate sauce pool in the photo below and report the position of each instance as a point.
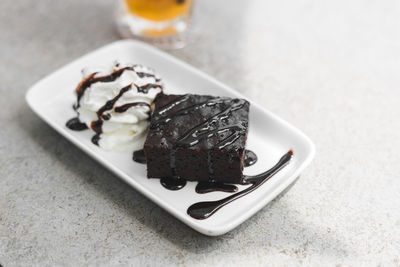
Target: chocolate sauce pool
(203, 210)
(173, 183)
(250, 158)
(76, 125)
(138, 156)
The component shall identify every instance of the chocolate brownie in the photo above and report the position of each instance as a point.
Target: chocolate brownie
(197, 138)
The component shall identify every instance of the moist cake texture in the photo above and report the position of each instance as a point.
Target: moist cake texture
(197, 138)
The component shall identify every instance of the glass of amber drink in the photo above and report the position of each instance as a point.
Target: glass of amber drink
(163, 23)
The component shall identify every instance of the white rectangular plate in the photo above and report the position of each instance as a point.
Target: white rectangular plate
(269, 136)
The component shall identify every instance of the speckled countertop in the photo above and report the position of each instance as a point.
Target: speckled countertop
(332, 68)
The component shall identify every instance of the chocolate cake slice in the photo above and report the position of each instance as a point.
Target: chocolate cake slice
(197, 138)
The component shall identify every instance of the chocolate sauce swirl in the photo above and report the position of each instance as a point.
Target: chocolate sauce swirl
(207, 187)
(203, 210)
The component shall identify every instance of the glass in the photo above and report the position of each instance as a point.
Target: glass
(163, 23)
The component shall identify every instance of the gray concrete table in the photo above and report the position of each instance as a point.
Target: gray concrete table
(329, 67)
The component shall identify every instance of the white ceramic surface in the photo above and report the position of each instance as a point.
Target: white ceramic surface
(269, 136)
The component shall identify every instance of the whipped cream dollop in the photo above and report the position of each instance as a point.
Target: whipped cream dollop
(115, 103)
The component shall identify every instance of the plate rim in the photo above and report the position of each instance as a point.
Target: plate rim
(217, 229)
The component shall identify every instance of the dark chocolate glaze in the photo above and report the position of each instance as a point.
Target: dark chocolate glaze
(138, 156)
(208, 128)
(250, 158)
(214, 126)
(207, 187)
(172, 104)
(173, 183)
(91, 79)
(205, 130)
(203, 210)
(76, 125)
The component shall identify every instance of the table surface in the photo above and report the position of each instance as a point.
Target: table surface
(331, 68)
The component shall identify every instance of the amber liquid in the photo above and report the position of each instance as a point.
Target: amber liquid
(159, 10)
(158, 18)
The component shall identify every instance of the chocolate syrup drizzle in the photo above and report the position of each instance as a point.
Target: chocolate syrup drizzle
(106, 117)
(109, 105)
(91, 79)
(145, 88)
(123, 108)
(145, 74)
(96, 139)
(203, 210)
(97, 126)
